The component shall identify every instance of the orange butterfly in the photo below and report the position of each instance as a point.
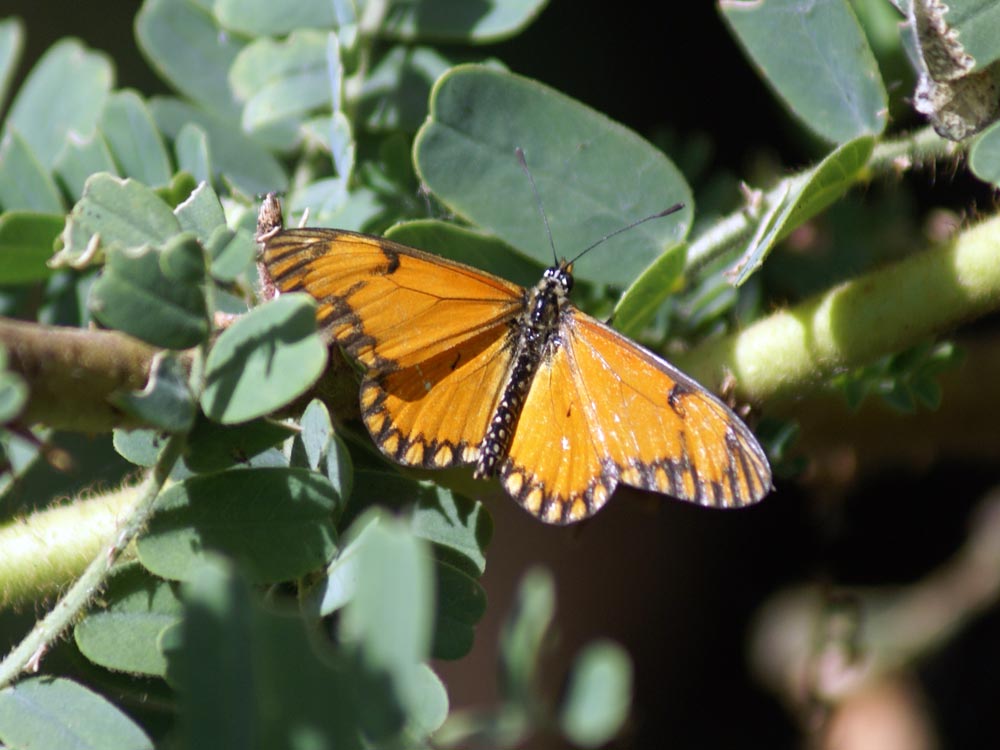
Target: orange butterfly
(463, 367)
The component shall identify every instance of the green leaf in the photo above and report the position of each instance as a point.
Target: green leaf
(166, 402)
(183, 43)
(314, 439)
(25, 184)
(11, 46)
(343, 149)
(384, 487)
(286, 80)
(264, 360)
(179, 190)
(899, 397)
(193, 153)
(213, 447)
(325, 199)
(394, 95)
(123, 635)
(132, 136)
(358, 210)
(183, 260)
(522, 636)
(319, 448)
(779, 438)
(461, 603)
(53, 712)
(593, 175)
(468, 246)
(210, 659)
(262, 18)
(339, 582)
(122, 213)
(201, 213)
(442, 20)
(904, 379)
(646, 294)
(231, 253)
(823, 69)
(65, 92)
(26, 242)
(133, 295)
(334, 134)
(599, 694)
(984, 155)
(249, 165)
(250, 678)
(927, 391)
(13, 391)
(13, 396)
(941, 358)
(390, 615)
(141, 447)
(275, 522)
(429, 711)
(460, 528)
(800, 198)
(82, 157)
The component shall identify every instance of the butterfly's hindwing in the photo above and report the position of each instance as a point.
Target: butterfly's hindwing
(434, 413)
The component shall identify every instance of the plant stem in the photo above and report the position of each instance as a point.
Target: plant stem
(857, 321)
(71, 373)
(47, 550)
(889, 157)
(916, 149)
(901, 624)
(27, 654)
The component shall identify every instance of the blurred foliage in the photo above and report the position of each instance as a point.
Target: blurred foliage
(291, 590)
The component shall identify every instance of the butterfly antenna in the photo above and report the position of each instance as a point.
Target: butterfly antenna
(665, 212)
(538, 199)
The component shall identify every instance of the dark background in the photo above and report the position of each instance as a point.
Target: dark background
(679, 585)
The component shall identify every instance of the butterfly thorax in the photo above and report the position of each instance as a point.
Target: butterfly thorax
(534, 337)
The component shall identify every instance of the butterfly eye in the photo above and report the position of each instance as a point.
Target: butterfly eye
(565, 279)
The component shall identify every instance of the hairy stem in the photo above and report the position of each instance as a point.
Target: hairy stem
(28, 653)
(46, 550)
(857, 321)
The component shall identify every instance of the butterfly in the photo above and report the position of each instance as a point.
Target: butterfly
(464, 367)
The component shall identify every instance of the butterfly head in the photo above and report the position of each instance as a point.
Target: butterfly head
(561, 275)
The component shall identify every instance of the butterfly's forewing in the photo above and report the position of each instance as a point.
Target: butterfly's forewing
(632, 418)
(431, 333)
(389, 305)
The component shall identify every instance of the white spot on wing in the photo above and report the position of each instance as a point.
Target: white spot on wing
(427, 383)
